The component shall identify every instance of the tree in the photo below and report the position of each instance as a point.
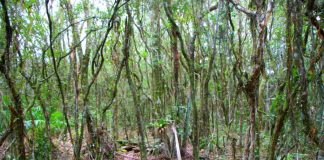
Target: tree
(222, 79)
(17, 110)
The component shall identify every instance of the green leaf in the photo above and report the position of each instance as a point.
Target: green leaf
(6, 100)
(56, 116)
(295, 72)
(144, 54)
(280, 99)
(57, 120)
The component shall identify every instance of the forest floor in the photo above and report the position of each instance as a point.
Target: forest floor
(132, 152)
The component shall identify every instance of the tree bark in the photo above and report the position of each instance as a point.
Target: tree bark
(5, 70)
(59, 82)
(310, 128)
(157, 84)
(126, 48)
(283, 112)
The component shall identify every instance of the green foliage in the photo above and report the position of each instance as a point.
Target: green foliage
(203, 142)
(37, 118)
(4, 114)
(144, 54)
(57, 122)
(291, 156)
(78, 8)
(31, 36)
(42, 144)
(161, 122)
(40, 141)
(278, 101)
(28, 3)
(6, 100)
(295, 72)
(4, 118)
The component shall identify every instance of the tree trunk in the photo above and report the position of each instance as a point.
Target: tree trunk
(282, 115)
(310, 128)
(157, 84)
(55, 67)
(176, 67)
(205, 94)
(126, 48)
(75, 75)
(5, 70)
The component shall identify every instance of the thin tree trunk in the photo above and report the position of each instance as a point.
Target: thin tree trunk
(126, 48)
(259, 21)
(75, 75)
(281, 117)
(157, 84)
(205, 94)
(190, 62)
(59, 82)
(176, 67)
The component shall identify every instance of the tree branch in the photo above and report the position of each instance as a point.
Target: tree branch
(59, 83)
(174, 24)
(243, 9)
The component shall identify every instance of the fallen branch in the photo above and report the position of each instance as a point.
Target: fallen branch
(123, 155)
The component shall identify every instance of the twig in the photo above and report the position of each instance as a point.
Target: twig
(65, 29)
